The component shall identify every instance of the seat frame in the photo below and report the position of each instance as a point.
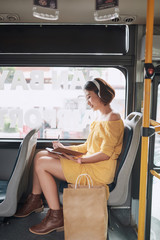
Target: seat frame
(12, 190)
(119, 194)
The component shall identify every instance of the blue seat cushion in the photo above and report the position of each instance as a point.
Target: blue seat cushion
(128, 133)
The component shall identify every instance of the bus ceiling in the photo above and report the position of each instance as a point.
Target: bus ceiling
(75, 12)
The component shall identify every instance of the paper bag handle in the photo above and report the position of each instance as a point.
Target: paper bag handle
(89, 180)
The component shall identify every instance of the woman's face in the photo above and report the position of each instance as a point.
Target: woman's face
(93, 100)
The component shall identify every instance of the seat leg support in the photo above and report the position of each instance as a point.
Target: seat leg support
(4, 221)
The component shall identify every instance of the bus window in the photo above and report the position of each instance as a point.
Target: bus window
(52, 97)
(157, 136)
(155, 214)
(155, 207)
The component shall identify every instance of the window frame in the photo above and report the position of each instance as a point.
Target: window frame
(124, 63)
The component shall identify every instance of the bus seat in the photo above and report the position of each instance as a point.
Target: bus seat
(119, 187)
(10, 191)
(128, 132)
(131, 139)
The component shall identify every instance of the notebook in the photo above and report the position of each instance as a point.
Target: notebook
(61, 150)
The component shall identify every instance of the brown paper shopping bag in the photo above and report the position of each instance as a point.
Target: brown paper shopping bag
(85, 211)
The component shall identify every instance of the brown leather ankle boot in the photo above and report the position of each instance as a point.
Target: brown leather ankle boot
(52, 221)
(33, 203)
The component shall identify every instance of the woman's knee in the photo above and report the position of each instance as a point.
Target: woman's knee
(39, 164)
(39, 159)
(44, 162)
(38, 156)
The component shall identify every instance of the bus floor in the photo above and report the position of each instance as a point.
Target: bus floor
(17, 229)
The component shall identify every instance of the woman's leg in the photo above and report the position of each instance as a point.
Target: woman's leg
(36, 188)
(46, 167)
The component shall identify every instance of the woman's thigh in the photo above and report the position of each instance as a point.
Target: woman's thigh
(50, 163)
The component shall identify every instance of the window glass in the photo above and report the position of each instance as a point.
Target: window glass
(155, 207)
(155, 214)
(52, 97)
(157, 136)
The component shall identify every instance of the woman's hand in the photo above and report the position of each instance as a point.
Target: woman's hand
(75, 159)
(78, 160)
(57, 144)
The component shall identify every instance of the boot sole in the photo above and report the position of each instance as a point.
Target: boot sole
(38, 210)
(60, 229)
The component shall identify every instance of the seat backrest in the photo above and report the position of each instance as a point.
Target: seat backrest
(9, 190)
(119, 188)
(128, 133)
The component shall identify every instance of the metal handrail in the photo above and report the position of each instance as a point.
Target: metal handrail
(156, 125)
(154, 173)
(145, 122)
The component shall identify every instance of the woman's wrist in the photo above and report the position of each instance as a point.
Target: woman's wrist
(79, 160)
(82, 160)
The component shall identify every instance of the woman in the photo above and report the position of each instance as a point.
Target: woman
(99, 160)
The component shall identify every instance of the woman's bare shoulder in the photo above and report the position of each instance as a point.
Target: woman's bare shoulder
(114, 116)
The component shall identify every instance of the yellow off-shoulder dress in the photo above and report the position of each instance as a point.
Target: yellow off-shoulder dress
(106, 137)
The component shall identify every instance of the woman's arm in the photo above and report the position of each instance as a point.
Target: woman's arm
(80, 148)
(96, 157)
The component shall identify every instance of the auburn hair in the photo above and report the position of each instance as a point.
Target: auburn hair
(105, 91)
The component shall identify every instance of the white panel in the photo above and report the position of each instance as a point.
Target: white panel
(155, 49)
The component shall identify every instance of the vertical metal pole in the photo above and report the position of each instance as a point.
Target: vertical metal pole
(146, 119)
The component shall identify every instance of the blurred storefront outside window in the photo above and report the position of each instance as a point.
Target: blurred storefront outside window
(53, 98)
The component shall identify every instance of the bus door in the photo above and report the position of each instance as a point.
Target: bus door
(153, 190)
